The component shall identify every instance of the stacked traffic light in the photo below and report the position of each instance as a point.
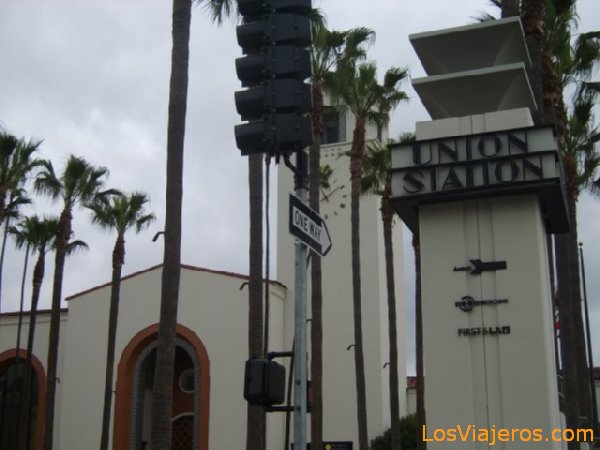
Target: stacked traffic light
(274, 36)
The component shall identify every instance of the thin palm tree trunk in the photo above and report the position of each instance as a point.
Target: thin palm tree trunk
(25, 427)
(577, 394)
(21, 404)
(387, 215)
(165, 353)
(316, 330)
(113, 317)
(22, 300)
(2, 252)
(54, 333)
(420, 379)
(356, 156)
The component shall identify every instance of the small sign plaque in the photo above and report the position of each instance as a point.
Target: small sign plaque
(331, 445)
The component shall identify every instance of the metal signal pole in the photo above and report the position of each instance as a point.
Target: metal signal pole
(301, 253)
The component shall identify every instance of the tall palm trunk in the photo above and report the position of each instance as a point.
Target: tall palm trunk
(113, 317)
(165, 354)
(547, 93)
(25, 419)
(255, 433)
(316, 330)
(19, 328)
(22, 299)
(567, 255)
(356, 169)
(387, 216)
(573, 352)
(2, 253)
(420, 379)
(62, 238)
(577, 395)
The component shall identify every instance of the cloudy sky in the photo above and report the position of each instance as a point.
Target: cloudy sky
(90, 78)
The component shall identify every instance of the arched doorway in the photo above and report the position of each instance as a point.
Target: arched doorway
(12, 399)
(133, 403)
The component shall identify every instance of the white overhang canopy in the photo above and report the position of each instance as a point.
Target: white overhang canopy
(474, 69)
(486, 44)
(475, 91)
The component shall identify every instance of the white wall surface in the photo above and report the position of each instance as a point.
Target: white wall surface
(211, 305)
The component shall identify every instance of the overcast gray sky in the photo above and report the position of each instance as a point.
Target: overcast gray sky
(90, 78)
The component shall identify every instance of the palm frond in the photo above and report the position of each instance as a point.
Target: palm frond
(76, 246)
(218, 10)
(121, 211)
(377, 163)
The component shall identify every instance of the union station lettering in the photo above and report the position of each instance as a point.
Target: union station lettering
(523, 156)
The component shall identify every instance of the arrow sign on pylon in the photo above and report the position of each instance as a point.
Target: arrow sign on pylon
(309, 227)
(491, 266)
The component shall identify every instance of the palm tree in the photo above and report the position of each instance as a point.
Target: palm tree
(19, 244)
(556, 64)
(369, 102)
(119, 213)
(16, 164)
(570, 64)
(181, 17)
(165, 354)
(328, 48)
(78, 183)
(377, 180)
(38, 235)
(16, 201)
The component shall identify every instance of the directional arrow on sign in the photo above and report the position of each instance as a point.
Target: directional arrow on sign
(480, 266)
(309, 227)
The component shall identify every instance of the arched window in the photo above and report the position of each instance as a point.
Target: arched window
(133, 405)
(14, 398)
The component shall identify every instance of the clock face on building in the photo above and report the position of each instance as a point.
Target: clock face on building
(333, 198)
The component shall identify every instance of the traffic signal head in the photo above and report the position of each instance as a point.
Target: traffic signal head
(257, 8)
(283, 61)
(274, 29)
(282, 95)
(264, 382)
(273, 37)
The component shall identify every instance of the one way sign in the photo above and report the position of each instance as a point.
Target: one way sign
(309, 227)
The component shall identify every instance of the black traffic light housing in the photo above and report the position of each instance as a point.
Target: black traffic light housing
(274, 36)
(264, 382)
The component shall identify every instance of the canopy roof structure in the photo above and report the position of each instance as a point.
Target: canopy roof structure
(486, 44)
(474, 69)
(475, 91)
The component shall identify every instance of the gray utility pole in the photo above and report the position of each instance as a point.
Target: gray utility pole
(300, 371)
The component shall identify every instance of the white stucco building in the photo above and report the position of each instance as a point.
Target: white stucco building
(209, 409)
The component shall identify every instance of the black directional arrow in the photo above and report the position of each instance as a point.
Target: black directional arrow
(491, 266)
